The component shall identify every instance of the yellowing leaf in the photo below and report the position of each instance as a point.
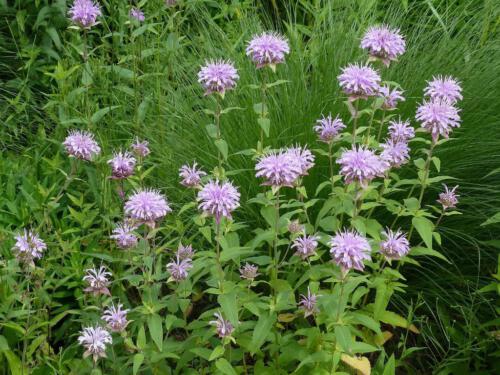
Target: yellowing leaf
(286, 318)
(414, 329)
(360, 364)
(383, 338)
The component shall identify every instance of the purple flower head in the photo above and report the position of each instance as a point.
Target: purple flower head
(295, 227)
(224, 327)
(218, 76)
(137, 14)
(81, 145)
(444, 88)
(383, 43)
(395, 153)
(28, 247)
(191, 176)
(328, 128)
(124, 236)
(122, 165)
(141, 149)
(349, 249)
(448, 198)
(185, 252)
(147, 206)
(97, 280)
(278, 168)
(395, 245)
(116, 318)
(249, 272)
(400, 131)
(94, 340)
(307, 303)
(391, 97)
(179, 268)
(438, 117)
(84, 13)
(359, 81)
(303, 158)
(268, 49)
(218, 199)
(361, 165)
(305, 246)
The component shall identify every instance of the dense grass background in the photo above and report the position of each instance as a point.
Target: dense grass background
(149, 81)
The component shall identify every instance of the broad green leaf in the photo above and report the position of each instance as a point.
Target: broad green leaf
(138, 359)
(420, 251)
(96, 117)
(424, 228)
(223, 365)
(222, 146)
(156, 330)
(228, 303)
(216, 353)
(343, 337)
(211, 130)
(262, 330)
(141, 338)
(390, 367)
(265, 125)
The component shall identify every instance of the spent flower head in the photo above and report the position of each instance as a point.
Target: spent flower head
(295, 227)
(395, 245)
(328, 128)
(28, 247)
(444, 88)
(359, 81)
(137, 14)
(448, 198)
(116, 318)
(438, 117)
(249, 272)
(185, 252)
(140, 148)
(81, 145)
(218, 76)
(94, 340)
(97, 281)
(191, 175)
(383, 43)
(84, 13)
(267, 49)
(218, 199)
(349, 249)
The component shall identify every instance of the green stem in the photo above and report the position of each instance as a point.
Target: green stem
(355, 121)
(330, 160)
(381, 126)
(217, 254)
(217, 115)
(263, 108)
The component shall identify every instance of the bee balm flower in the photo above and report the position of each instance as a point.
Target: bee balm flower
(94, 340)
(391, 97)
(147, 206)
(395, 153)
(278, 168)
(141, 149)
(124, 236)
(349, 249)
(308, 303)
(383, 43)
(122, 165)
(137, 14)
(81, 145)
(98, 282)
(395, 245)
(328, 128)
(179, 268)
(361, 165)
(28, 246)
(218, 199)
(448, 198)
(444, 88)
(249, 272)
(438, 117)
(305, 246)
(218, 76)
(84, 13)
(268, 49)
(224, 327)
(191, 176)
(400, 131)
(116, 318)
(359, 81)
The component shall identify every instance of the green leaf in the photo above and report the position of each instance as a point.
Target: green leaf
(222, 146)
(229, 305)
(14, 362)
(262, 330)
(260, 109)
(390, 367)
(211, 130)
(424, 228)
(96, 117)
(265, 125)
(156, 330)
(216, 353)
(277, 83)
(138, 359)
(141, 338)
(223, 365)
(492, 220)
(343, 337)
